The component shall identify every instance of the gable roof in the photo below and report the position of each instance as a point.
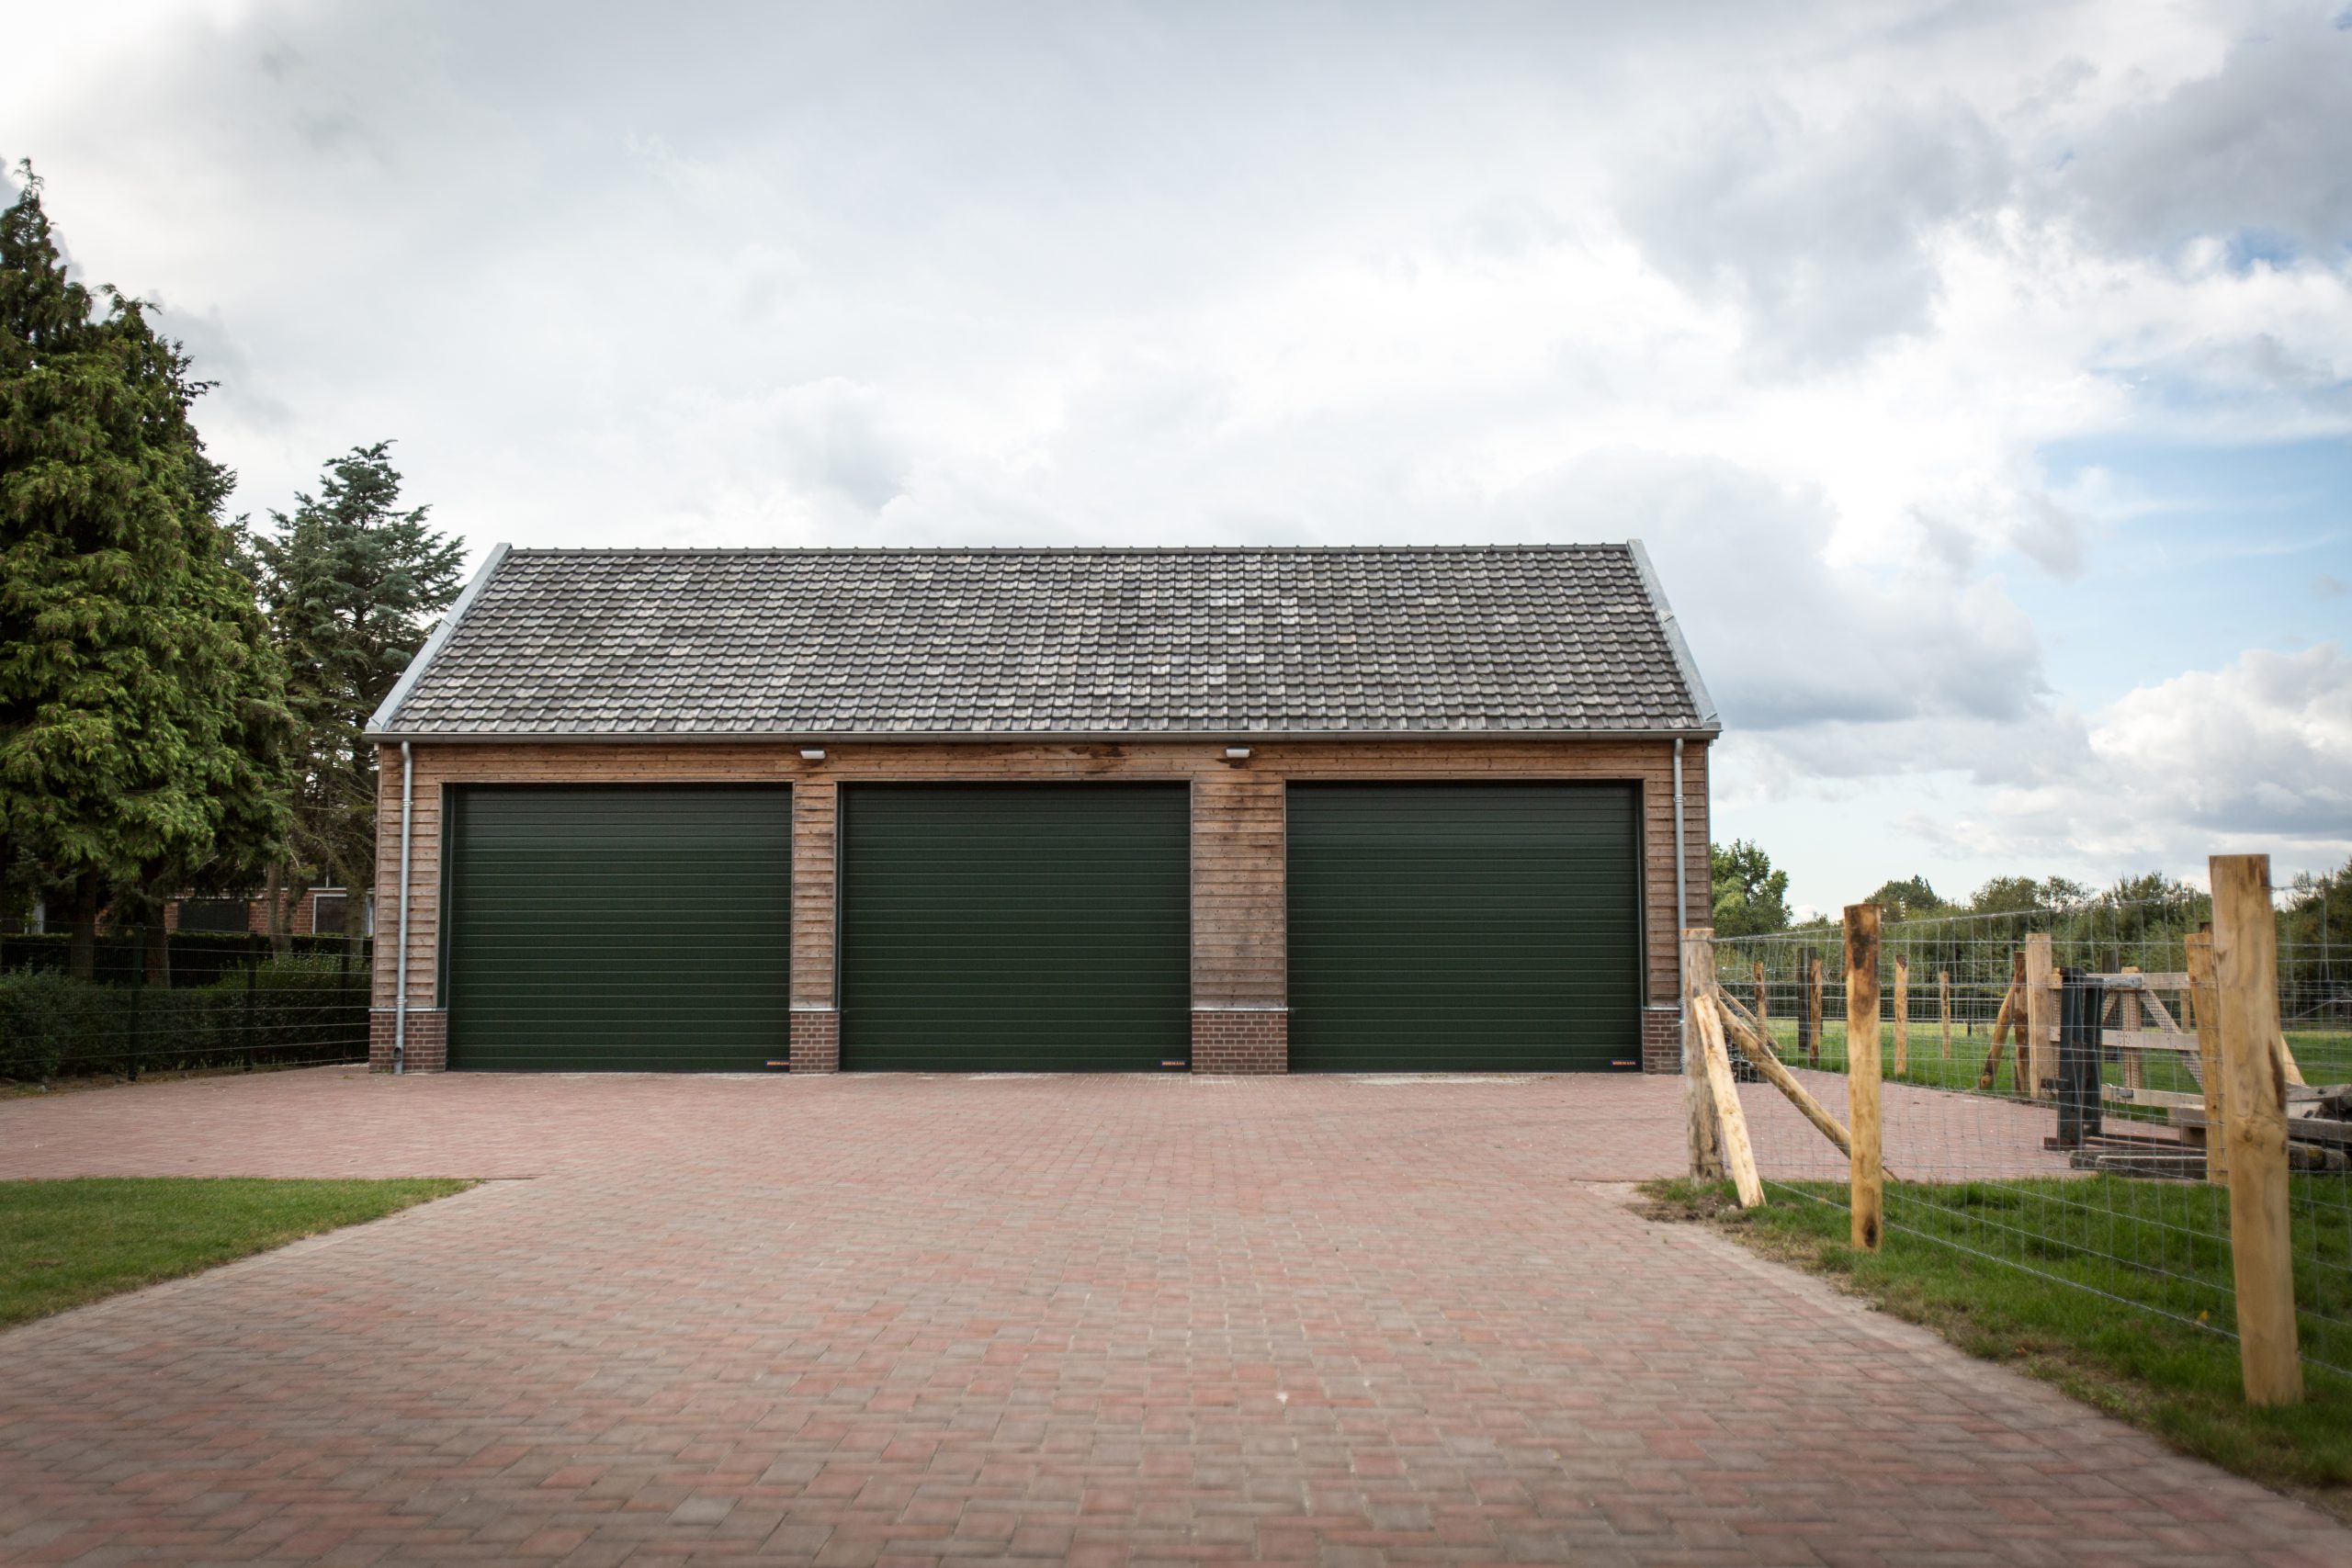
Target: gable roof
(1088, 643)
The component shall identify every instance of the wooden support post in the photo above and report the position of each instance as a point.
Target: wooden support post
(1763, 1004)
(1869, 1179)
(1731, 1123)
(2246, 975)
(2200, 1006)
(1734, 1012)
(1812, 1009)
(1699, 1104)
(2135, 1071)
(1757, 1050)
(2041, 1053)
(2286, 1065)
(1943, 1007)
(1902, 1015)
(2004, 1022)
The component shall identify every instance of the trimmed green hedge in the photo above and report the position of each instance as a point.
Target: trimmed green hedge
(198, 958)
(305, 1008)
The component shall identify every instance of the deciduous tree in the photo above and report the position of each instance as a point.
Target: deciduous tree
(1751, 897)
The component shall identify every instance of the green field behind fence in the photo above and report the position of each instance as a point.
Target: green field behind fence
(2324, 1056)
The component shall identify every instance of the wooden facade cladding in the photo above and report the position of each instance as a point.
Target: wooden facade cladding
(1238, 955)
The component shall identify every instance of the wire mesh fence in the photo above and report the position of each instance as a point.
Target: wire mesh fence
(216, 1001)
(2064, 1129)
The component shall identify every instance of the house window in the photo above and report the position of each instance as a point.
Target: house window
(215, 915)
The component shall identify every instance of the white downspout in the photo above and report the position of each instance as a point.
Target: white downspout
(400, 959)
(1681, 909)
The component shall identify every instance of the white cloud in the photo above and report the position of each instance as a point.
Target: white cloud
(2254, 755)
(1798, 293)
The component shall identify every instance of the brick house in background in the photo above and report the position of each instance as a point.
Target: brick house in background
(1261, 810)
(319, 912)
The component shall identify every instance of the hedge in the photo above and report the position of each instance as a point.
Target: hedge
(306, 1007)
(198, 958)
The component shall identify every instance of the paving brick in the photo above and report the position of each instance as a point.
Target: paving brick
(873, 1320)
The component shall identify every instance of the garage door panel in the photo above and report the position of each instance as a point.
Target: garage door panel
(596, 928)
(1014, 927)
(1463, 927)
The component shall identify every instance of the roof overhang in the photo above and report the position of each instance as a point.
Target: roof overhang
(1009, 736)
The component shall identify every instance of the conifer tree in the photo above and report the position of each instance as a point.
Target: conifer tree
(141, 707)
(355, 582)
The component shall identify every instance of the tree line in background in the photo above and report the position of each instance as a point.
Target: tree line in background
(1751, 899)
(182, 694)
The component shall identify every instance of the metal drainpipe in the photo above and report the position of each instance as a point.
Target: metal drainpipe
(1681, 913)
(400, 959)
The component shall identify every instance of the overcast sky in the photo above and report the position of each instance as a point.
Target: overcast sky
(1980, 376)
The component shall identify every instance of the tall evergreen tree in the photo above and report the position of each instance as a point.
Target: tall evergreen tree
(140, 700)
(355, 582)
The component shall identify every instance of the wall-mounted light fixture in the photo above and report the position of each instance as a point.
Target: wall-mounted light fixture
(1237, 753)
(812, 753)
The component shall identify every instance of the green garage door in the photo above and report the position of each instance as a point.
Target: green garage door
(1463, 928)
(1003, 927)
(619, 929)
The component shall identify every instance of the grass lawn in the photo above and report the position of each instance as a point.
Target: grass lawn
(64, 1243)
(2325, 1057)
(2176, 1379)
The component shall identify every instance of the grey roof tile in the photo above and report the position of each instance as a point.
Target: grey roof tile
(1502, 640)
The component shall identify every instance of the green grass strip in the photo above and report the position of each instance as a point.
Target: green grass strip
(66, 1242)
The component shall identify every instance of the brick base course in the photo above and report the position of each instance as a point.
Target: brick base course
(1240, 1041)
(427, 1046)
(816, 1040)
(1661, 1040)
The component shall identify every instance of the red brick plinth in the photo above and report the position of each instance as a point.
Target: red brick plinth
(1661, 1040)
(427, 1047)
(815, 1040)
(1240, 1040)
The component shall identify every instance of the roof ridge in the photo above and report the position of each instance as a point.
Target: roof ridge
(1617, 546)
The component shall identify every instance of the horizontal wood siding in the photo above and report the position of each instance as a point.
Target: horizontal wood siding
(815, 863)
(1238, 957)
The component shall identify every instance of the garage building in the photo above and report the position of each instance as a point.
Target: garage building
(968, 810)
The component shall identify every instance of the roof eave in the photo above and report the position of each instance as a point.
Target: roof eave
(1010, 737)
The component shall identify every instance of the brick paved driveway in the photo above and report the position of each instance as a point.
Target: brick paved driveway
(1096, 1319)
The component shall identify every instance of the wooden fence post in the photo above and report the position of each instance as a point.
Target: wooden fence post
(1943, 1006)
(2207, 1022)
(2041, 1053)
(1763, 1004)
(2245, 974)
(1808, 1025)
(1812, 1006)
(1902, 1015)
(1731, 1122)
(1863, 1119)
(1698, 979)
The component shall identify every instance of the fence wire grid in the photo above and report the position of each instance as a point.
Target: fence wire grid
(219, 1001)
(2101, 1184)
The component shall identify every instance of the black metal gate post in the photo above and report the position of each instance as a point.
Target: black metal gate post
(254, 945)
(2080, 1002)
(138, 986)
